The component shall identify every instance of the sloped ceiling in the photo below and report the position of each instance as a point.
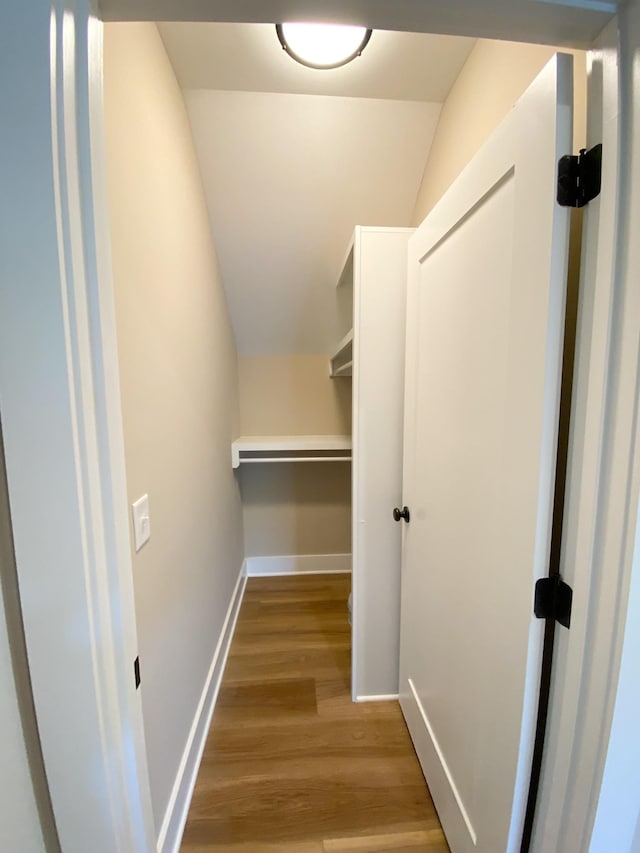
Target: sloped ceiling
(292, 159)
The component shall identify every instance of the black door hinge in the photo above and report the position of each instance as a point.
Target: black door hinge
(580, 177)
(136, 671)
(553, 599)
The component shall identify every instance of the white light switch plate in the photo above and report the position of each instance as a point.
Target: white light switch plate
(141, 521)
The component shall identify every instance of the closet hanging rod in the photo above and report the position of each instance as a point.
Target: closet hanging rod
(289, 448)
(267, 459)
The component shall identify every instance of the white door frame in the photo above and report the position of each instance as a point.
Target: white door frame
(600, 550)
(61, 420)
(60, 409)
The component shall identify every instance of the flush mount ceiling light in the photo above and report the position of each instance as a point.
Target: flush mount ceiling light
(322, 45)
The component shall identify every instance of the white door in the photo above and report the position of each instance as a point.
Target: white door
(487, 276)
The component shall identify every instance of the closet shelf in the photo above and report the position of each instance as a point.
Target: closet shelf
(346, 274)
(345, 369)
(341, 362)
(290, 448)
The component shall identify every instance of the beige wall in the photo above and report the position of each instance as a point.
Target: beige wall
(492, 79)
(292, 395)
(300, 508)
(294, 508)
(178, 373)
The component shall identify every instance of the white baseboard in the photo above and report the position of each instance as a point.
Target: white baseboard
(308, 564)
(384, 697)
(175, 817)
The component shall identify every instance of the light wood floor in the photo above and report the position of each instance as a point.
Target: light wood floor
(291, 764)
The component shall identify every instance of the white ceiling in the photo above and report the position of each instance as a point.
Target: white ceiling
(248, 57)
(292, 159)
(287, 177)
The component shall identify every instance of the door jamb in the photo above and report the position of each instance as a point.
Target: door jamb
(600, 555)
(62, 427)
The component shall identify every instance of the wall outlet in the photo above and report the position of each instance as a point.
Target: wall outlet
(141, 521)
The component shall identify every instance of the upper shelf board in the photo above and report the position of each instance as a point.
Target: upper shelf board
(287, 448)
(342, 359)
(346, 270)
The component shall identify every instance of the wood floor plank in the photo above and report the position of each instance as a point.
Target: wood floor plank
(313, 783)
(311, 813)
(290, 763)
(426, 841)
(334, 701)
(353, 738)
(257, 847)
(276, 642)
(260, 701)
(256, 664)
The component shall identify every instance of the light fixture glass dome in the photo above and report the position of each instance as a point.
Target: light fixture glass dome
(322, 45)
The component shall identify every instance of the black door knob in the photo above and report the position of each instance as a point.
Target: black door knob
(402, 513)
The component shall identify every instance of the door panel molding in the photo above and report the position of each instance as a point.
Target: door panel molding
(487, 288)
(435, 746)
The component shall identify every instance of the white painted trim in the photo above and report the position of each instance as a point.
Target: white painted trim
(603, 481)
(389, 697)
(62, 428)
(450, 811)
(299, 564)
(356, 404)
(379, 320)
(175, 816)
(101, 321)
(616, 824)
(448, 775)
(617, 818)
